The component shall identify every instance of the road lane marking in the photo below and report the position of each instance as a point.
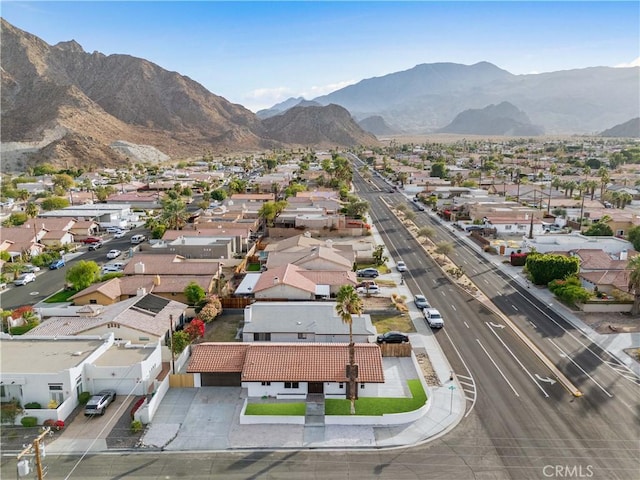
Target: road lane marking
(514, 307)
(546, 380)
(497, 368)
(518, 360)
(625, 371)
(581, 369)
(469, 377)
(466, 324)
(496, 325)
(454, 308)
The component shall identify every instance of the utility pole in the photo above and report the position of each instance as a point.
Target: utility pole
(173, 357)
(531, 224)
(23, 464)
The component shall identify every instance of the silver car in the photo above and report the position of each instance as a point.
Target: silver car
(99, 402)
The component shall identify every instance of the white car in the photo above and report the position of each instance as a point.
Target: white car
(370, 289)
(113, 229)
(433, 317)
(119, 234)
(114, 254)
(24, 279)
(401, 266)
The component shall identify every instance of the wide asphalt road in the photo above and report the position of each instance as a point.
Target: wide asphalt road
(518, 423)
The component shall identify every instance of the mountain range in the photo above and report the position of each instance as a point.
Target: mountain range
(65, 106)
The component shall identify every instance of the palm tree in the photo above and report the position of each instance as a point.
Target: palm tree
(348, 304)
(634, 283)
(31, 211)
(174, 214)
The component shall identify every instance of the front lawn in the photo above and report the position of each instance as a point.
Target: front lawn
(396, 323)
(62, 296)
(288, 409)
(380, 406)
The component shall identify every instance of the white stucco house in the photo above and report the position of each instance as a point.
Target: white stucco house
(45, 369)
(287, 370)
(302, 322)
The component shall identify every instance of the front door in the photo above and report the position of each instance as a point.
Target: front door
(316, 387)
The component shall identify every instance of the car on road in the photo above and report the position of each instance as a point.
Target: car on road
(99, 402)
(89, 240)
(114, 253)
(367, 272)
(56, 264)
(370, 289)
(401, 266)
(113, 229)
(24, 279)
(433, 317)
(421, 301)
(28, 268)
(393, 337)
(119, 234)
(95, 246)
(136, 239)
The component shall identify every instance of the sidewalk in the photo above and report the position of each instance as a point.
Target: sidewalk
(614, 343)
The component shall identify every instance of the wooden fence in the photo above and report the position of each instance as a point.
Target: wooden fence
(396, 349)
(181, 380)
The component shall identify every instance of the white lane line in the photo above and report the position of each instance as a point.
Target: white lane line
(581, 369)
(514, 307)
(497, 367)
(466, 324)
(469, 377)
(485, 281)
(454, 308)
(517, 360)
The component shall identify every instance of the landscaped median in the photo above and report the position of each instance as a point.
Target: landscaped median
(369, 410)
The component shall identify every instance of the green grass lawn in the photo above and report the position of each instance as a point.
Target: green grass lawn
(288, 409)
(396, 323)
(223, 328)
(62, 296)
(380, 406)
(364, 406)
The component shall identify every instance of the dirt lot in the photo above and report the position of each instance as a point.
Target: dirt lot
(610, 322)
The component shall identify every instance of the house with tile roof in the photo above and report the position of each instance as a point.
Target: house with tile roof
(287, 370)
(143, 319)
(303, 322)
(291, 282)
(117, 289)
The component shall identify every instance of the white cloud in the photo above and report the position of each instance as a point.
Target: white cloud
(317, 91)
(633, 63)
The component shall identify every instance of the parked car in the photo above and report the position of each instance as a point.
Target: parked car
(401, 266)
(393, 337)
(56, 264)
(24, 279)
(98, 403)
(421, 301)
(89, 240)
(28, 268)
(113, 229)
(95, 246)
(367, 272)
(433, 317)
(114, 253)
(370, 289)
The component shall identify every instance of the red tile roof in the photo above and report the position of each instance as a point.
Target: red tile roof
(295, 362)
(217, 357)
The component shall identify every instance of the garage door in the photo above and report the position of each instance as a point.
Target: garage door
(220, 379)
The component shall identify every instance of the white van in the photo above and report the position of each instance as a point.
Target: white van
(136, 239)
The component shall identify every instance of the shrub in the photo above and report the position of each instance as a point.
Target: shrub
(52, 405)
(9, 411)
(32, 405)
(29, 421)
(136, 426)
(84, 397)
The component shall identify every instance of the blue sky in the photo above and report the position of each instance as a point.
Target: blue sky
(261, 53)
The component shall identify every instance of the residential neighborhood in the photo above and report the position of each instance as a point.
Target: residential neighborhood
(211, 277)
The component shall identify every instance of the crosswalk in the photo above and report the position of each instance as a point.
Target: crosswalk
(624, 371)
(469, 388)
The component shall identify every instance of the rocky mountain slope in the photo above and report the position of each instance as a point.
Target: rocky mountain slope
(377, 126)
(630, 129)
(323, 126)
(66, 106)
(501, 119)
(428, 97)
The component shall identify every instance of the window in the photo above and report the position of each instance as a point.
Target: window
(55, 392)
(291, 384)
(3, 391)
(341, 385)
(261, 337)
(362, 386)
(143, 339)
(79, 385)
(302, 336)
(265, 384)
(93, 301)
(508, 227)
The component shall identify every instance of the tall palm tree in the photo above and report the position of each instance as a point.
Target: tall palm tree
(348, 304)
(31, 211)
(634, 283)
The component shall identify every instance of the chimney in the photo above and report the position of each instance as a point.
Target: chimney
(138, 268)
(276, 280)
(247, 314)
(141, 292)
(624, 255)
(156, 280)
